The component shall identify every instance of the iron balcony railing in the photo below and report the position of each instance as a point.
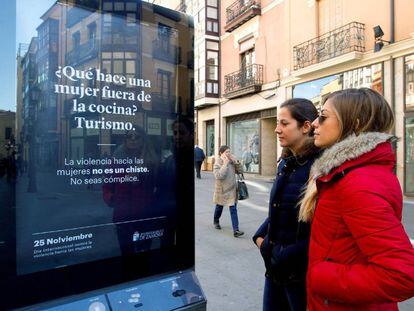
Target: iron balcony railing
(241, 11)
(247, 80)
(83, 52)
(166, 52)
(348, 38)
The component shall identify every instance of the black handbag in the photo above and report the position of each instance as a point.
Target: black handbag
(242, 191)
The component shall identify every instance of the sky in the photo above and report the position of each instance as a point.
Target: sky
(26, 15)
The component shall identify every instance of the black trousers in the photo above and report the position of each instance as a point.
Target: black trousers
(197, 165)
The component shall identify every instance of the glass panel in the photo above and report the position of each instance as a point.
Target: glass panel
(212, 3)
(210, 140)
(212, 58)
(215, 27)
(212, 13)
(409, 155)
(215, 88)
(409, 82)
(131, 6)
(118, 66)
(244, 141)
(212, 73)
(212, 45)
(370, 76)
(86, 135)
(118, 6)
(130, 66)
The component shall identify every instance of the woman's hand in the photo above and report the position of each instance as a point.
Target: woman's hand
(232, 158)
(259, 242)
(225, 159)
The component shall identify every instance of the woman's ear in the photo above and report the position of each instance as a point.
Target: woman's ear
(307, 127)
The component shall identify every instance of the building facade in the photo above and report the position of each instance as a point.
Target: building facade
(273, 50)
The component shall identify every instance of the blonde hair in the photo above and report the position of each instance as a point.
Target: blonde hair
(358, 111)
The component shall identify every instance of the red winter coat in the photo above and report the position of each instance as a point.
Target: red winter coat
(360, 257)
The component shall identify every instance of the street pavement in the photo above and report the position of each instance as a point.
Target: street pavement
(230, 269)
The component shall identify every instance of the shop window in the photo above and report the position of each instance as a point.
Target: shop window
(409, 82)
(244, 141)
(210, 138)
(409, 156)
(369, 76)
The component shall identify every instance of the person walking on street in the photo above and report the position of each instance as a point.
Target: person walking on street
(225, 192)
(199, 157)
(282, 240)
(247, 158)
(360, 257)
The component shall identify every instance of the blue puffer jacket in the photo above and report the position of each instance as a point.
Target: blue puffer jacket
(285, 247)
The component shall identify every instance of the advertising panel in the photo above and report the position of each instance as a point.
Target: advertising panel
(103, 142)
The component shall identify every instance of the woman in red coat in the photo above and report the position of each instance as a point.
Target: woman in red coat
(360, 257)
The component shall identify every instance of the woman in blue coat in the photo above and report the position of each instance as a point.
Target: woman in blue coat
(282, 240)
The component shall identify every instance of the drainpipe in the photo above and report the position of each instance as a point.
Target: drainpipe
(392, 63)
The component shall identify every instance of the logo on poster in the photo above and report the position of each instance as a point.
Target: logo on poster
(137, 236)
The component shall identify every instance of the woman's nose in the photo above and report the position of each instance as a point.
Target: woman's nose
(315, 123)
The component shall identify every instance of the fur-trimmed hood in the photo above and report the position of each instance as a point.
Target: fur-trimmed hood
(348, 149)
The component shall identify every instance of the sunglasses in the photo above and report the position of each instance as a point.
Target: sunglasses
(321, 118)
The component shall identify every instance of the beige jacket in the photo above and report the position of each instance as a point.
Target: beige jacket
(225, 192)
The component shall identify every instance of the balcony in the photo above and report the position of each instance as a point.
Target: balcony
(340, 41)
(245, 81)
(240, 12)
(163, 50)
(83, 53)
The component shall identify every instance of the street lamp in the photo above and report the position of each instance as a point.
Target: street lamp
(34, 99)
(379, 42)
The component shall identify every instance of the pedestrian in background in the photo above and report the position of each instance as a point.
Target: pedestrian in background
(360, 257)
(199, 157)
(282, 240)
(247, 158)
(225, 192)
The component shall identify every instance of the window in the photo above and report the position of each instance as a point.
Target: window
(121, 63)
(212, 21)
(164, 37)
(210, 138)
(247, 58)
(76, 40)
(409, 82)
(212, 68)
(243, 139)
(8, 133)
(409, 156)
(369, 76)
(164, 83)
(92, 32)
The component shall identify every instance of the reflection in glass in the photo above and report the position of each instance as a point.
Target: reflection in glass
(244, 141)
(409, 82)
(369, 76)
(409, 155)
(89, 94)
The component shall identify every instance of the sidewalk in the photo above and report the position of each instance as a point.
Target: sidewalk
(231, 270)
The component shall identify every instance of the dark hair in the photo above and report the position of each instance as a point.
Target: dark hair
(361, 110)
(189, 125)
(301, 110)
(223, 149)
